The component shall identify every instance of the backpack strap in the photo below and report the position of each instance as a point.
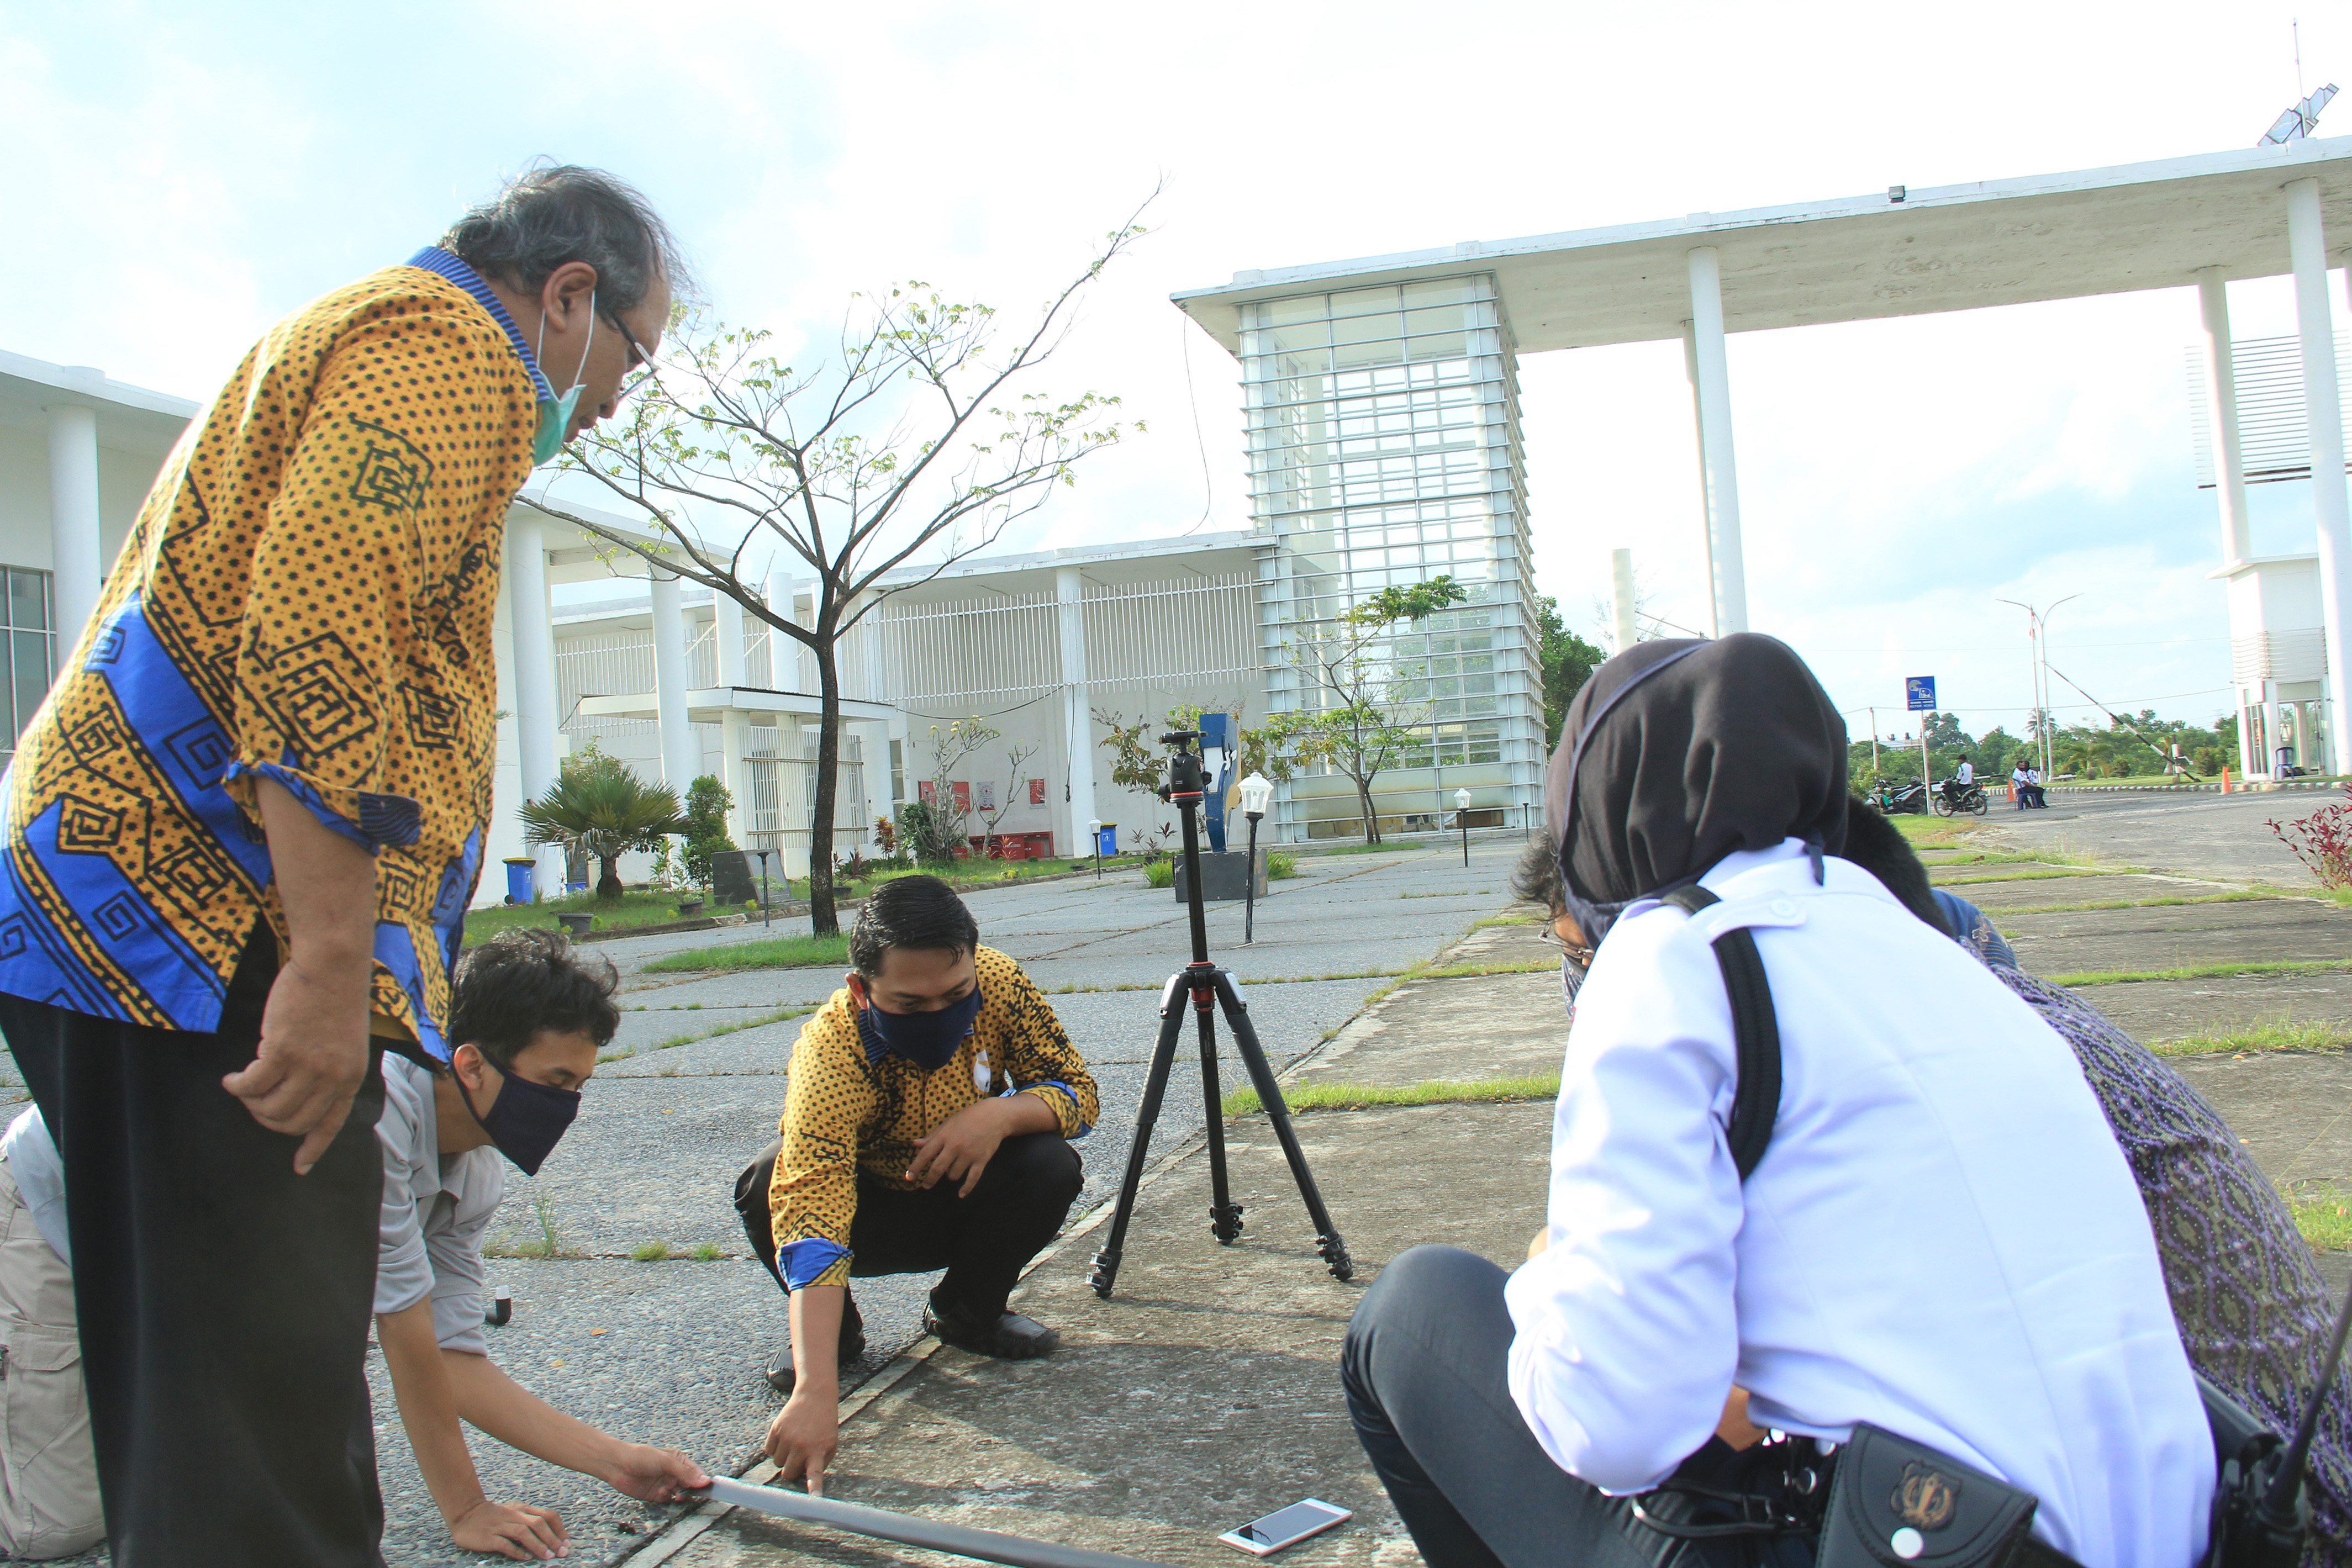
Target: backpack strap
(1755, 1032)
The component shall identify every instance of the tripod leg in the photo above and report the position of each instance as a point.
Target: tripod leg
(1224, 1214)
(1326, 1234)
(1155, 1085)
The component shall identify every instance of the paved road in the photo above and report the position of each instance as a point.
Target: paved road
(2197, 835)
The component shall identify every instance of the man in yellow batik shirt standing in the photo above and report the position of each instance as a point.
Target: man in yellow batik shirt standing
(928, 1127)
(237, 843)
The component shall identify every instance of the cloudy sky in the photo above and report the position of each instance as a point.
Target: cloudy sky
(196, 172)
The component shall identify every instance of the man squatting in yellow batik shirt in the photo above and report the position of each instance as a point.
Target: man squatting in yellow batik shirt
(928, 1125)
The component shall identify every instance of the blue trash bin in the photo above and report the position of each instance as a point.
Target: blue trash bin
(518, 874)
(1106, 839)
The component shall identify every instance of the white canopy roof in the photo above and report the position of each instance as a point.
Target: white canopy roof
(1954, 247)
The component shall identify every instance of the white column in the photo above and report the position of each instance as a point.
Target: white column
(1706, 500)
(2324, 408)
(534, 673)
(680, 765)
(726, 636)
(795, 795)
(734, 774)
(1620, 589)
(2221, 414)
(77, 571)
(1078, 716)
(1713, 376)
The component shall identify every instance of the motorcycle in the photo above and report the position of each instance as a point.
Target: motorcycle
(1955, 798)
(1893, 799)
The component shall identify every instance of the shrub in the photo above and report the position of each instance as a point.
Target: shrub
(1160, 874)
(1280, 863)
(707, 802)
(928, 833)
(2322, 841)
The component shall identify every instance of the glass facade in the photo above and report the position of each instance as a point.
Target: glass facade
(26, 657)
(1384, 438)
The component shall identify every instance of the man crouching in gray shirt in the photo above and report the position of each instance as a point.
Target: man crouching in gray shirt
(531, 1016)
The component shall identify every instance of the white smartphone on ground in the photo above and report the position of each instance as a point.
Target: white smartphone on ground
(1286, 1527)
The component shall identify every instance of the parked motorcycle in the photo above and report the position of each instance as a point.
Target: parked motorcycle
(1893, 799)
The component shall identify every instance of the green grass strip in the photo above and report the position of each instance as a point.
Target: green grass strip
(2262, 1037)
(2025, 876)
(1523, 917)
(1435, 1092)
(775, 953)
(2202, 972)
(779, 1016)
(2138, 902)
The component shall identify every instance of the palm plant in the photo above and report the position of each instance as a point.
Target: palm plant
(604, 812)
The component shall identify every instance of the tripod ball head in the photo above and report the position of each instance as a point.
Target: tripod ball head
(1179, 738)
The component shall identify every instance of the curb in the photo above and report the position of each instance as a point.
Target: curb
(2211, 788)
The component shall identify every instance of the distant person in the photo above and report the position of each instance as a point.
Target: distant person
(2018, 784)
(928, 1125)
(241, 832)
(1673, 1313)
(529, 1017)
(2033, 787)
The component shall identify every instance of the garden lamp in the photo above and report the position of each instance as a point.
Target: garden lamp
(1258, 793)
(1094, 835)
(1462, 814)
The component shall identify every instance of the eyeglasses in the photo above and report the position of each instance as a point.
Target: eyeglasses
(638, 357)
(1574, 952)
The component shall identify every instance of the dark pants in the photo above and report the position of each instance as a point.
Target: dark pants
(224, 1300)
(983, 1241)
(1424, 1371)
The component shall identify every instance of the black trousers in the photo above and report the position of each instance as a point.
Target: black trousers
(1424, 1371)
(983, 1241)
(224, 1300)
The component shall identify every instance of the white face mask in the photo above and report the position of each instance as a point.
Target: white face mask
(555, 417)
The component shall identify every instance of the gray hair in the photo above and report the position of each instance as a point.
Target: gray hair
(545, 217)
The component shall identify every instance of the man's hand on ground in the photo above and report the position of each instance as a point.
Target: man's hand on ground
(960, 1148)
(313, 1057)
(513, 1529)
(654, 1475)
(803, 1437)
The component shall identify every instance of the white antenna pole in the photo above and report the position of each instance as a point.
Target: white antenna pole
(1621, 582)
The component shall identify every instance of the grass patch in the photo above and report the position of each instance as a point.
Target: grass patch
(650, 1251)
(1523, 917)
(630, 909)
(779, 1016)
(548, 1243)
(2280, 1035)
(1463, 893)
(1160, 874)
(2325, 1219)
(1280, 863)
(775, 953)
(708, 1252)
(1365, 849)
(1457, 971)
(2202, 972)
(1437, 1091)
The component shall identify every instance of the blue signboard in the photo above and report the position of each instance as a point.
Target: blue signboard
(1919, 694)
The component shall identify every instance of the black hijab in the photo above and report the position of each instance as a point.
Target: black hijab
(1678, 753)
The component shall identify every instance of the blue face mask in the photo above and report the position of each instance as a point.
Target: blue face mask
(929, 1040)
(555, 417)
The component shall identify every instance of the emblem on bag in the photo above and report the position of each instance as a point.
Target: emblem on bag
(1925, 1498)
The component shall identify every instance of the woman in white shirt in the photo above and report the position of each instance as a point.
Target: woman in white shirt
(1940, 1240)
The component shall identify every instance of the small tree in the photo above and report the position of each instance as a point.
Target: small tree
(1567, 661)
(1351, 729)
(707, 801)
(912, 440)
(604, 810)
(952, 818)
(1017, 759)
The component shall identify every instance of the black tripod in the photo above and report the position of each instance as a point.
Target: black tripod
(1206, 983)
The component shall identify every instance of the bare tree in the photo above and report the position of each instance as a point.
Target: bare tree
(1016, 760)
(914, 438)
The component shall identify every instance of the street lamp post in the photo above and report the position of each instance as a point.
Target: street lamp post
(1257, 793)
(763, 885)
(2037, 632)
(1462, 815)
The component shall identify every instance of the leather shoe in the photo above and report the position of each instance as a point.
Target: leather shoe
(1008, 1336)
(783, 1377)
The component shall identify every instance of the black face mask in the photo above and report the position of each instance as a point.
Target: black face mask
(527, 1120)
(930, 1040)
